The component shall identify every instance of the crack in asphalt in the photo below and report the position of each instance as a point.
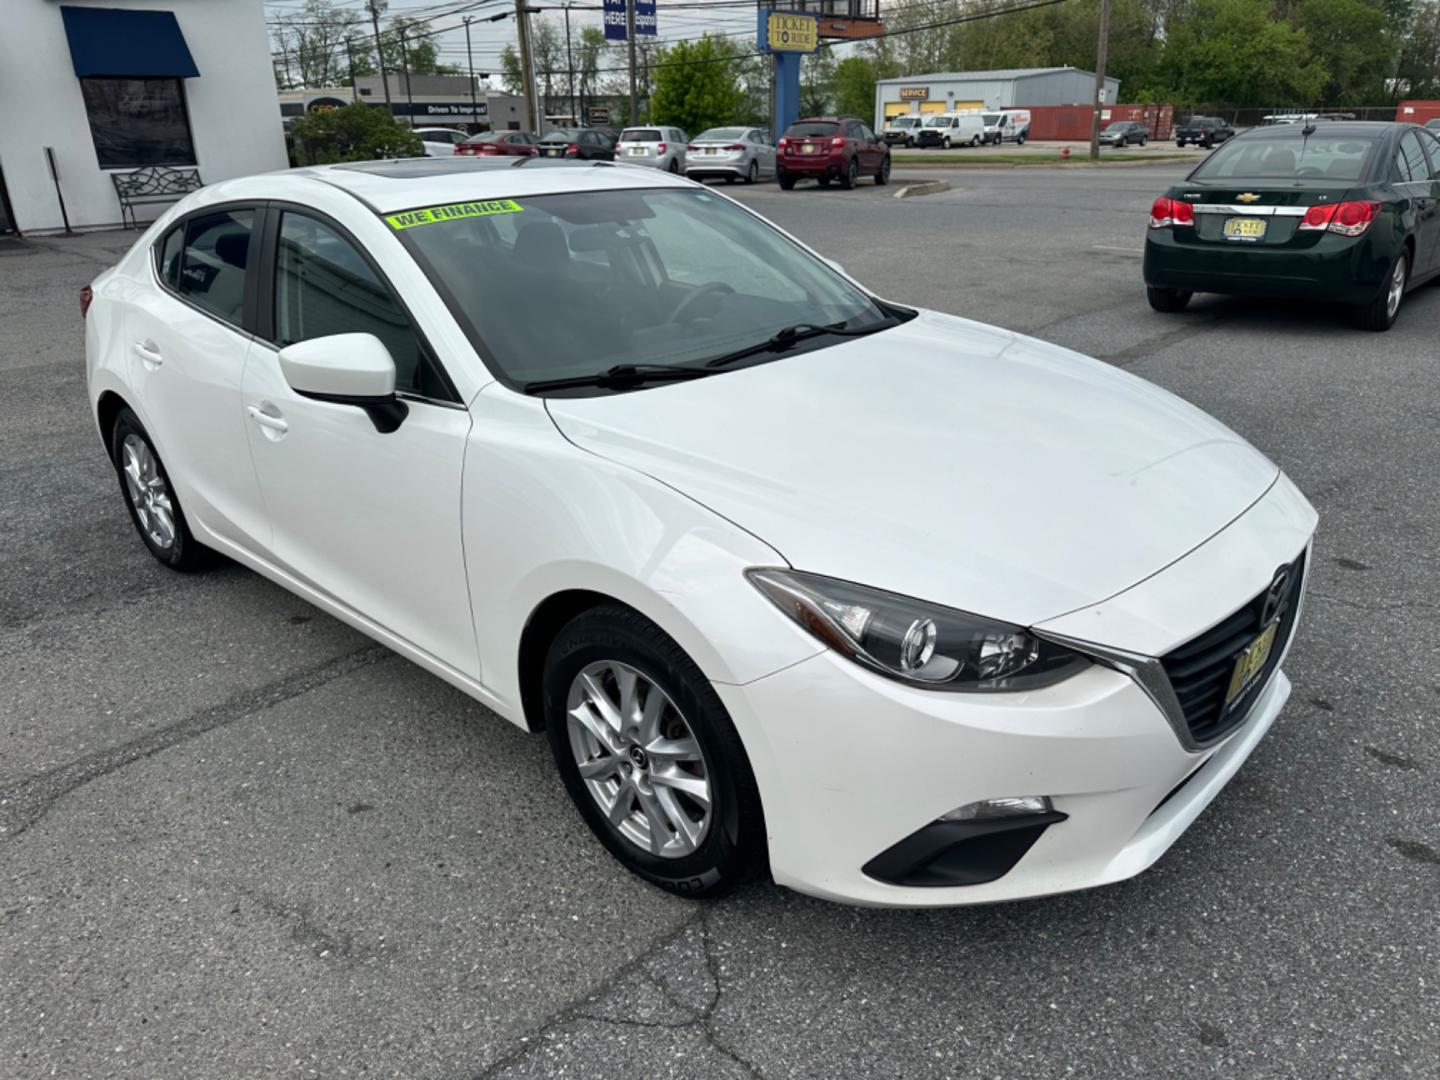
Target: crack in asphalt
(28, 801)
(701, 1021)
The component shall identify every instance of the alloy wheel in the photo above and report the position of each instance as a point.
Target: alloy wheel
(147, 490)
(639, 759)
(1397, 288)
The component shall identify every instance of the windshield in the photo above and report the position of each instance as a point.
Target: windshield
(938, 121)
(1118, 127)
(640, 135)
(722, 134)
(990, 118)
(812, 129)
(560, 286)
(1289, 157)
(905, 121)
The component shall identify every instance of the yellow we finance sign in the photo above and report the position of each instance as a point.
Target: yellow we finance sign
(430, 215)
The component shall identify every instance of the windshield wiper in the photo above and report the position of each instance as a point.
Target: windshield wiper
(621, 375)
(783, 339)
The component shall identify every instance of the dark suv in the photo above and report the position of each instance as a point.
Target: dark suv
(829, 148)
(1206, 131)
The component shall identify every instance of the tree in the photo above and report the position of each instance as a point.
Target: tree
(355, 132)
(695, 86)
(311, 43)
(817, 82)
(854, 84)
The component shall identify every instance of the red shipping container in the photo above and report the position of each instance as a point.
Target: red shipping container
(1072, 122)
(1417, 112)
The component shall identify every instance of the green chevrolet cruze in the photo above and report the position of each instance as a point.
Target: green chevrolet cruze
(1343, 212)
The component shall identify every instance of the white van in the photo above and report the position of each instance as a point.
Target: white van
(900, 130)
(951, 129)
(1007, 125)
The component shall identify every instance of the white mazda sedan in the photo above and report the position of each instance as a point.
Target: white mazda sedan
(908, 609)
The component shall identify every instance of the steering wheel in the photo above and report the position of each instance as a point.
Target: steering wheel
(710, 288)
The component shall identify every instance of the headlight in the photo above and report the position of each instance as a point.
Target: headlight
(918, 643)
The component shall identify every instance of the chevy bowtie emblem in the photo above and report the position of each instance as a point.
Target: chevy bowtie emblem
(1247, 197)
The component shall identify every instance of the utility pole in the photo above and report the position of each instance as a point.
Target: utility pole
(350, 59)
(405, 63)
(570, 67)
(376, 7)
(470, 63)
(527, 67)
(630, 42)
(1102, 50)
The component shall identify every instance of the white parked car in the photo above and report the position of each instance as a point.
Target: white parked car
(910, 609)
(441, 142)
(657, 147)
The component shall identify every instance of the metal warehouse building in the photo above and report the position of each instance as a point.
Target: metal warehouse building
(952, 91)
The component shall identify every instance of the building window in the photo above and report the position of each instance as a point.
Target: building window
(137, 122)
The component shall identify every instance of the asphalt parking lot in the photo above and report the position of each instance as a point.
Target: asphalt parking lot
(237, 839)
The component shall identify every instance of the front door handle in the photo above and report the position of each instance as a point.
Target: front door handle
(265, 420)
(148, 353)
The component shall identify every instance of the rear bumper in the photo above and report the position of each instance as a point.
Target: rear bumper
(1347, 270)
(812, 164)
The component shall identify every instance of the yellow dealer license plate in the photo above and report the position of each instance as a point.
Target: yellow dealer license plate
(1244, 228)
(807, 148)
(1251, 662)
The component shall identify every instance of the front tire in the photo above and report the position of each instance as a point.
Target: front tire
(1380, 313)
(1167, 300)
(150, 497)
(650, 756)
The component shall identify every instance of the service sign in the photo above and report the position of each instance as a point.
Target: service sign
(788, 32)
(914, 93)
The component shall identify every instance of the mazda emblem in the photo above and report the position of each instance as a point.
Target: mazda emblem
(1275, 595)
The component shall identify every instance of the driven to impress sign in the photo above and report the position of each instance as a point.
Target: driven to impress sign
(785, 32)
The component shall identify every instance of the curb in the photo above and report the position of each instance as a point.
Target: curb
(925, 187)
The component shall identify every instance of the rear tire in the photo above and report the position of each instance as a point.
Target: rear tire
(716, 795)
(883, 176)
(945, 142)
(752, 175)
(785, 180)
(1020, 140)
(1380, 313)
(974, 140)
(1167, 300)
(674, 166)
(852, 175)
(150, 497)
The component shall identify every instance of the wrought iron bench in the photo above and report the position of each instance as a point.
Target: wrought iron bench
(153, 184)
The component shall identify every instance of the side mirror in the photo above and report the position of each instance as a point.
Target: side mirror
(347, 369)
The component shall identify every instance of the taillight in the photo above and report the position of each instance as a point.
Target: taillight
(690, 147)
(87, 294)
(659, 148)
(1167, 212)
(781, 144)
(572, 149)
(838, 143)
(1346, 218)
(736, 146)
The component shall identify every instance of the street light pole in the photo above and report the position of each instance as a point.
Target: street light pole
(470, 63)
(570, 66)
(527, 66)
(1102, 49)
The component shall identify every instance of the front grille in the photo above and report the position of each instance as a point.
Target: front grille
(1200, 670)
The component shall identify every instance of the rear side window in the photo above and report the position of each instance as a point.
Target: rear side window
(324, 286)
(168, 255)
(212, 268)
(1412, 158)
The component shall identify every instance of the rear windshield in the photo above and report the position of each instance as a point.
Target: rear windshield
(565, 135)
(486, 136)
(640, 135)
(722, 134)
(1289, 157)
(812, 129)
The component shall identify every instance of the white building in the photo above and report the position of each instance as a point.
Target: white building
(112, 85)
(957, 91)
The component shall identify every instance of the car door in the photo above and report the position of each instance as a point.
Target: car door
(372, 520)
(188, 335)
(1431, 150)
(1418, 185)
(763, 151)
(874, 150)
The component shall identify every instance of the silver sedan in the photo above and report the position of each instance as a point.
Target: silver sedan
(736, 153)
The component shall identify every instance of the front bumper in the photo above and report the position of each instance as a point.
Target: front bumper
(1343, 269)
(851, 764)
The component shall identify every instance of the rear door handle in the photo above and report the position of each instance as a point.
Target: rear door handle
(147, 352)
(265, 420)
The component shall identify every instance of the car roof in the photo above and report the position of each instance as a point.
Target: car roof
(1329, 128)
(389, 186)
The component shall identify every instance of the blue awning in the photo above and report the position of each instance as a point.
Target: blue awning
(121, 43)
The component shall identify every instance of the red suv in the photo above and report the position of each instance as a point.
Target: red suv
(831, 148)
(504, 143)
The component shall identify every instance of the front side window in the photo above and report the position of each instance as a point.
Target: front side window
(1414, 157)
(212, 268)
(138, 122)
(569, 285)
(324, 286)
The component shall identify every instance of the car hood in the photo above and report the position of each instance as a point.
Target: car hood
(942, 459)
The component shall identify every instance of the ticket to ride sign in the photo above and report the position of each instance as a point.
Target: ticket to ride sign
(787, 31)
